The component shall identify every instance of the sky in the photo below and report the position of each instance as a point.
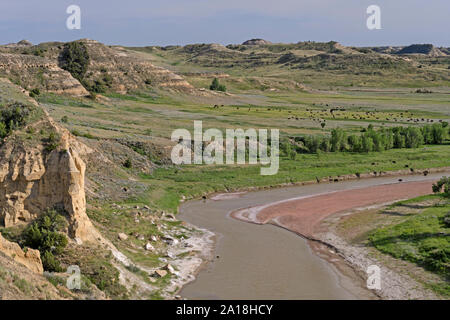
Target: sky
(179, 22)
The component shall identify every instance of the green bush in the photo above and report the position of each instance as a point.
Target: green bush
(97, 87)
(34, 92)
(52, 142)
(446, 220)
(12, 117)
(216, 86)
(127, 163)
(443, 185)
(75, 59)
(45, 235)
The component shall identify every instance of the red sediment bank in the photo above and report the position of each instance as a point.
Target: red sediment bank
(303, 215)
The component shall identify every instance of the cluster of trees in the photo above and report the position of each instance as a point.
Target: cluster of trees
(374, 140)
(12, 117)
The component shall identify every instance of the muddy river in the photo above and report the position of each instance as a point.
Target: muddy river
(265, 261)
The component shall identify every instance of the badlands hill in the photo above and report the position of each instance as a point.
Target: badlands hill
(426, 49)
(255, 42)
(103, 68)
(279, 66)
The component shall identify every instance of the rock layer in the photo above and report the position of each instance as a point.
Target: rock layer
(30, 258)
(33, 180)
(38, 72)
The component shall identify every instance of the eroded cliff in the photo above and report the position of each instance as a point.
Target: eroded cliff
(41, 167)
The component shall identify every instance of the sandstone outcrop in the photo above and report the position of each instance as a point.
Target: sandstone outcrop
(38, 72)
(117, 68)
(30, 258)
(33, 179)
(129, 70)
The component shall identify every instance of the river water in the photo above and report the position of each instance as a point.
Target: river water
(267, 262)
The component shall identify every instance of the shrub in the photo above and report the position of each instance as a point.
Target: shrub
(34, 92)
(52, 142)
(45, 235)
(128, 164)
(13, 117)
(97, 87)
(442, 185)
(3, 130)
(92, 96)
(107, 80)
(38, 52)
(75, 59)
(76, 133)
(216, 86)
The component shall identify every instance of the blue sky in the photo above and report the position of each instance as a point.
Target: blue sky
(164, 22)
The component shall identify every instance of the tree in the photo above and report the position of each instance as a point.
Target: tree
(12, 117)
(414, 137)
(442, 185)
(338, 140)
(216, 86)
(367, 144)
(354, 143)
(75, 59)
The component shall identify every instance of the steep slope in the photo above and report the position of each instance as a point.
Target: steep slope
(116, 69)
(30, 258)
(41, 168)
(109, 69)
(33, 72)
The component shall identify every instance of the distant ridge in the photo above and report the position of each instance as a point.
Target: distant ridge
(256, 42)
(427, 49)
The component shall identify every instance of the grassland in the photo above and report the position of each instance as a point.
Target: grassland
(421, 238)
(150, 117)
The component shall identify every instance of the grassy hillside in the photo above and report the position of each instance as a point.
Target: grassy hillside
(320, 65)
(422, 238)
